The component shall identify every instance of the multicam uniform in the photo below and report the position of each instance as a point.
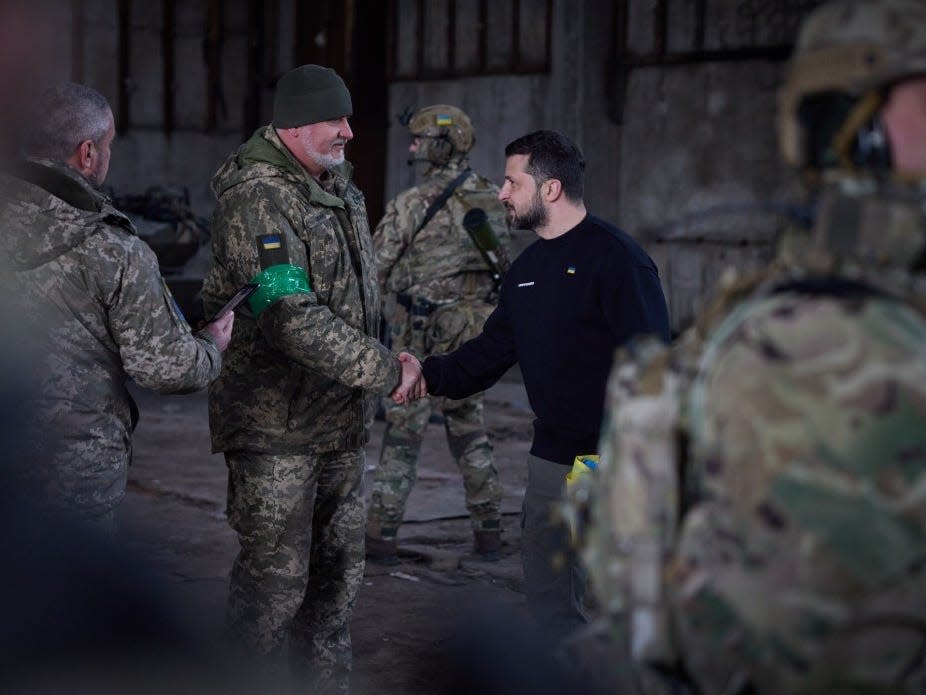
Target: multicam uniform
(291, 408)
(760, 521)
(760, 515)
(91, 295)
(443, 292)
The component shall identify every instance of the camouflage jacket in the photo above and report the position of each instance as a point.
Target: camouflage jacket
(94, 301)
(757, 503)
(303, 377)
(440, 263)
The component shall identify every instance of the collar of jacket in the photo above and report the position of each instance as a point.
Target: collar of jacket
(62, 182)
(53, 210)
(70, 188)
(265, 147)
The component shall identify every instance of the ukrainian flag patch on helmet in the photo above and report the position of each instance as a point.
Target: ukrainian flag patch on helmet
(444, 119)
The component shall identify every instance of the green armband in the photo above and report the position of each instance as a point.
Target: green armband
(276, 282)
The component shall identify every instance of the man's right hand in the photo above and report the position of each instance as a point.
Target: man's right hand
(412, 386)
(221, 330)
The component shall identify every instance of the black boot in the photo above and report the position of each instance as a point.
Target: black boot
(488, 544)
(382, 551)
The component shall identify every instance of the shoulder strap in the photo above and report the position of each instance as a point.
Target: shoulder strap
(435, 205)
(440, 200)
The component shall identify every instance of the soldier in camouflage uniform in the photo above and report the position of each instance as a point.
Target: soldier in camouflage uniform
(291, 409)
(92, 299)
(442, 289)
(760, 523)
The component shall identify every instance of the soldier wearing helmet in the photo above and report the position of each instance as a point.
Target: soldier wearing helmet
(441, 134)
(759, 524)
(440, 285)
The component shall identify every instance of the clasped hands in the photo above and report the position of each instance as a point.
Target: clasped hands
(412, 386)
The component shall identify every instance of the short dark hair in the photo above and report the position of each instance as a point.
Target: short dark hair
(551, 155)
(65, 116)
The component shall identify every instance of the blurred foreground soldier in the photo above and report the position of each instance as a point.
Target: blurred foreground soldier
(94, 304)
(290, 410)
(441, 279)
(760, 524)
(580, 290)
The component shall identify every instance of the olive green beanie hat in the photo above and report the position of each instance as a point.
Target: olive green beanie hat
(310, 94)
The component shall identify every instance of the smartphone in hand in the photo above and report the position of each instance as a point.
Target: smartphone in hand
(236, 300)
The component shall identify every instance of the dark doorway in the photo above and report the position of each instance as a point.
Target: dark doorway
(350, 36)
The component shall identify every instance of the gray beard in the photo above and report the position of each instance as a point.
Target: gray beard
(326, 161)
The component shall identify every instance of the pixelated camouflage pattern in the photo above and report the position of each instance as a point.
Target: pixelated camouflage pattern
(90, 293)
(303, 378)
(300, 522)
(443, 266)
(758, 514)
(464, 421)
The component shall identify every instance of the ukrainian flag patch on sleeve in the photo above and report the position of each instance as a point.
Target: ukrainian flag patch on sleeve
(271, 249)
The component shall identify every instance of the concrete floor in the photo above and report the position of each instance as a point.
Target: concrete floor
(406, 616)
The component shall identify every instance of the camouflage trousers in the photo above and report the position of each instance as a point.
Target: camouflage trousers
(299, 521)
(464, 421)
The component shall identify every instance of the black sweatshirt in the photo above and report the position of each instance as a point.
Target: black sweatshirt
(565, 305)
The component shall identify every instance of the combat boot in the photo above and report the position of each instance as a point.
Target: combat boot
(488, 544)
(382, 551)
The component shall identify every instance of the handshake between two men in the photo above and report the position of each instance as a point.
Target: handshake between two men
(412, 385)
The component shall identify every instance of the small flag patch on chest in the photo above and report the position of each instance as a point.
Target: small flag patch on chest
(270, 241)
(571, 270)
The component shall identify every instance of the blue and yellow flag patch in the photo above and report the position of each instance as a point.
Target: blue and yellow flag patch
(571, 270)
(444, 119)
(270, 241)
(271, 250)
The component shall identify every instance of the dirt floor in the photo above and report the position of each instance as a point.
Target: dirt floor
(408, 618)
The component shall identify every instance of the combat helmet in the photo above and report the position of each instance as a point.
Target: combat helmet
(847, 54)
(446, 131)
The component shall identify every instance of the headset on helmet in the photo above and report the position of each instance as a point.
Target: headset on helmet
(847, 54)
(447, 127)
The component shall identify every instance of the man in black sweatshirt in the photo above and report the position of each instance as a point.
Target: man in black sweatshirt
(581, 290)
